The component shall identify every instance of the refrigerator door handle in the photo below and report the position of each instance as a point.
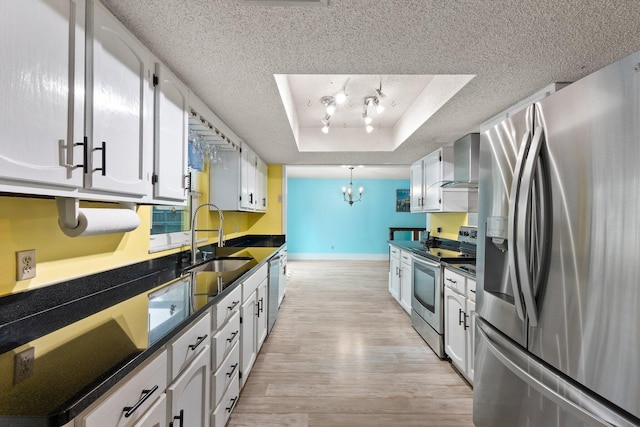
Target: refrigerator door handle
(549, 384)
(511, 224)
(523, 218)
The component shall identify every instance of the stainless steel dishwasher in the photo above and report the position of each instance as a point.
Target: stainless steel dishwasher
(274, 290)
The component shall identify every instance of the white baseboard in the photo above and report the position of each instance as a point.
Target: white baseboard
(339, 257)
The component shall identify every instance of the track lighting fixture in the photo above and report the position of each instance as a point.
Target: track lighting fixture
(331, 103)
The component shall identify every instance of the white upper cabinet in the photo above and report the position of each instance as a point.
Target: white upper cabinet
(262, 185)
(42, 105)
(170, 137)
(248, 164)
(241, 184)
(119, 108)
(427, 177)
(417, 198)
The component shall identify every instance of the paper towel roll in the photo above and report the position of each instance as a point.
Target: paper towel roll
(92, 221)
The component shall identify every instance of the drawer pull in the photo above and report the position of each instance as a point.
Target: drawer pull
(198, 342)
(178, 417)
(233, 305)
(129, 410)
(233, 335)
(233, 403)
(451, 280)
(233, 369)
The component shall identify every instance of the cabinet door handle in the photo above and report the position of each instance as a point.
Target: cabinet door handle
(68, 162)
(129, 410)
(103, 169)
(178, 417)
(233, 403)
(233, 335)
(187, 185)
(233, 305)
(233, 369)
(85, 155)
(250, 198)
(459, 316)
(257, 308)
(466, 325)
(198, 342)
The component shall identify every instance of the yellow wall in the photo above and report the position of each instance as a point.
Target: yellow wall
(29, 223)
(450, 222)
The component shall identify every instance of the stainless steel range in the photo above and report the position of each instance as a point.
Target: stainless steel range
(427, 314)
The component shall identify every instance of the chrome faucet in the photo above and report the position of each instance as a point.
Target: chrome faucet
(194, 248)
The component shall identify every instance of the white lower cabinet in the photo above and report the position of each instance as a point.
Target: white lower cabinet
(394, 272)
(253, 314)
(459, 311)
(224, 340)
(221, 415)
(156, 416)
(400, 277)
(471, 341)
(188, 395)
(225, 374)
(185, 347)
(131, 399)
(406, 281)
(248, 339)
(455, 341)
(261, 316)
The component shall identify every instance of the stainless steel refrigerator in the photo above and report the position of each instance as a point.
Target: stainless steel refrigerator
(558, 269)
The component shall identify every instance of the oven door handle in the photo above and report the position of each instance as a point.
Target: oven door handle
(425, 261)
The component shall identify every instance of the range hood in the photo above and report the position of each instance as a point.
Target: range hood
(466, 152)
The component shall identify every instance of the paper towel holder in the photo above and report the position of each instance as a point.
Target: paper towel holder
(69, 207)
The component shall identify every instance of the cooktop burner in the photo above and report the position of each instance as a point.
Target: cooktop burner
(445, 255)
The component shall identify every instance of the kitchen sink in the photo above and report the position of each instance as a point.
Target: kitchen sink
(220, 264)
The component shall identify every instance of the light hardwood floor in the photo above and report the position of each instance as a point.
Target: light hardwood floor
(343, 353)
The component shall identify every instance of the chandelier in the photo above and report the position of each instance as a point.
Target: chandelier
(347, 193)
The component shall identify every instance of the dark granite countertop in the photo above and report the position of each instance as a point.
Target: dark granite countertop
(29, 315)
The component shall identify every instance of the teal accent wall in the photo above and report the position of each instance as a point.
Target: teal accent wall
(320, 222)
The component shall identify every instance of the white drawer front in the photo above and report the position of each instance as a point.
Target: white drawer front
(132, 397)
(394, 251)
(225, 374)
(225, 308)
(454, 281)
(471, 289)
(252, 283)
(221, 415)
(187, 345)
(224, 340)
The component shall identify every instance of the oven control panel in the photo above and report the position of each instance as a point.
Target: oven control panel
(468, 234)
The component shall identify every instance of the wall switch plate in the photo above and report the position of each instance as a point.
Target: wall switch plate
(23, 365)
(25, 264)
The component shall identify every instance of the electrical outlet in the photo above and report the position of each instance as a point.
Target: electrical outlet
(25, 264)
(23, 365)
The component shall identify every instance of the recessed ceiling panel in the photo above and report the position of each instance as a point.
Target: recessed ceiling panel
(379, 113)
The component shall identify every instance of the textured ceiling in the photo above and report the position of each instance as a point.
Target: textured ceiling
(227, 52)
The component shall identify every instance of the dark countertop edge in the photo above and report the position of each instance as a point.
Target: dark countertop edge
(405, 244)
(454, 266)
(84, 398)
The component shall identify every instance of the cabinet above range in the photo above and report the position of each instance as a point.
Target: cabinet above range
(443, 181)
